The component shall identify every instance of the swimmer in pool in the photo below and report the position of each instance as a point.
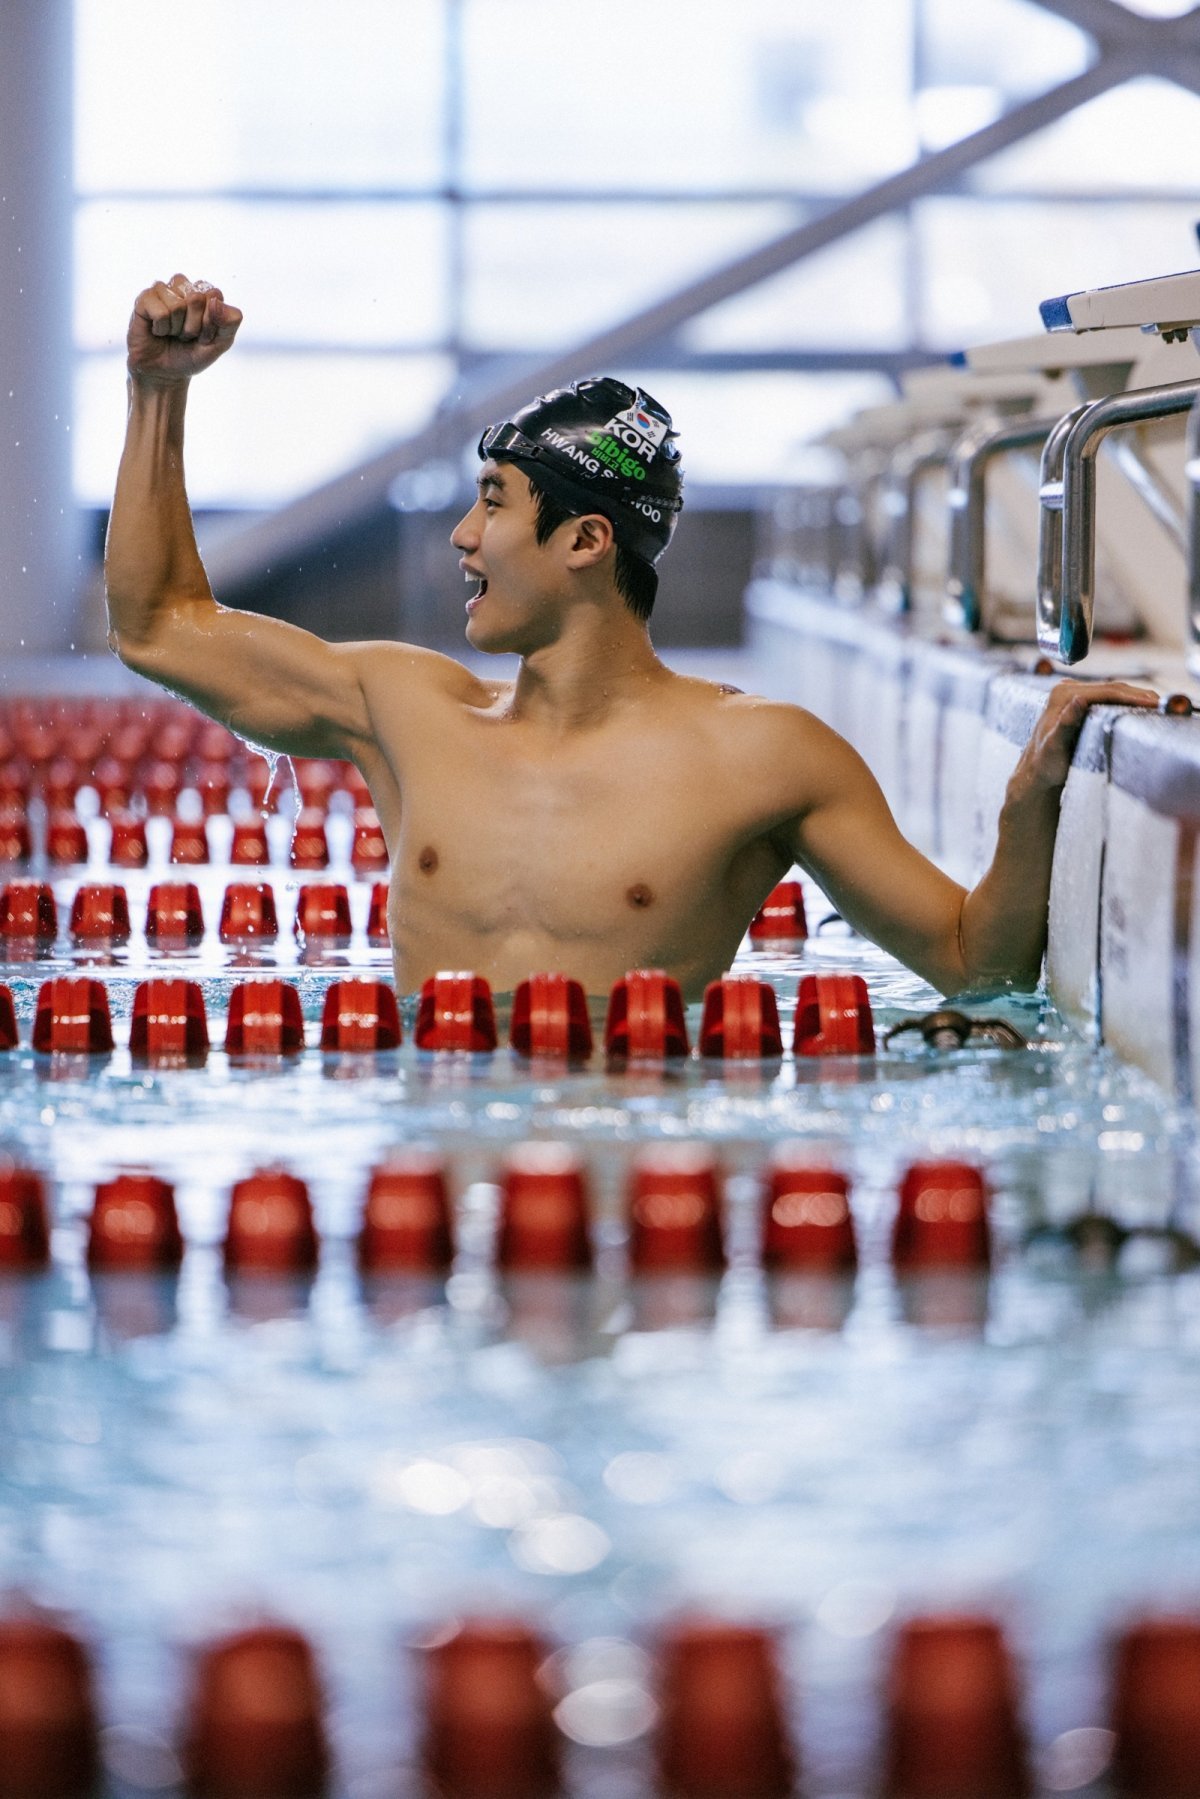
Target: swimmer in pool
(600, 812)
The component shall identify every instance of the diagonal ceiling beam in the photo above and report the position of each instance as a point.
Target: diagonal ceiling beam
(1167, 48)
(1184, 71)
(1104, 20)
(1114, 26)
(241, 555)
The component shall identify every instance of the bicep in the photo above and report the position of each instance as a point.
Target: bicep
(268, 680)
(850, 843)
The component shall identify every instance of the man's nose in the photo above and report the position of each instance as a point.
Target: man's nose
(464, 536)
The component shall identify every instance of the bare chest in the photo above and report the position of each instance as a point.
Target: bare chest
(564, 842)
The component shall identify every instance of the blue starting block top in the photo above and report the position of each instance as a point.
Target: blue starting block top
(1166, 303)
(1056, 313)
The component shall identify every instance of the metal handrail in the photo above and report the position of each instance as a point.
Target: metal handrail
(845, 557)
(1050, 501)
(857, 562)
(968, 520)
(911, 460)
(1065, 606)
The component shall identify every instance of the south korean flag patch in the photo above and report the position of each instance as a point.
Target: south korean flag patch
(639, 429)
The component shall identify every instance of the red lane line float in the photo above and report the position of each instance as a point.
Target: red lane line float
(248, 911)
(360, 1016)
(674, 1210)
(550, 1018)
(214, 743)
(249, 843)
(368, 849)
(259, 780)
(60, 786)
(72, 1017)
(24, 1221)
(781, 917)
(354, 783)
(740, 1020)
(722, 1730)
(407, 1227)
(16, 845)
(806, 1219)
(323, 913)
(28, 912)
(161, 785)
(49, 1735)
(316, 780)
(1155, 1710)
(833, 1016)
(953, 1723)
(455, 1012)
(130, 741)
(189, 842)
(134, 1225)
(544, 1214)
(100, 914)
(174, 739)
(488, 1722)
(265, 1019)
(213, 785)
(310, 845)
(377, 920)
(14, 786)
(255, 1725)
(112, 778)
(37, 741)
(645, 1017)
(174, 913)
(66, 839)
(270, 1228)
(8, 1020)
(127, 844)
(941, 1219)
(169, 1024)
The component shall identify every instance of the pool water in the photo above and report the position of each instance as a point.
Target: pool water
(369, 1459)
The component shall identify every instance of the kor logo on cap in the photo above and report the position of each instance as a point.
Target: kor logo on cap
(639, 429)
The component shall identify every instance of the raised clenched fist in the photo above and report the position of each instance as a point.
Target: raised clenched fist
(178, 328)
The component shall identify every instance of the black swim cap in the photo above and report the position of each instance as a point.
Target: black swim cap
(600, 446)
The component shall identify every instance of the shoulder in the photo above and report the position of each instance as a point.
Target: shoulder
(738, 716)
(391, 670)
(775, 747)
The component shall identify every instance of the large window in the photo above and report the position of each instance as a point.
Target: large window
(398, 191)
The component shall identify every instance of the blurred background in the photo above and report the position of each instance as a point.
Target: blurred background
(427, 208)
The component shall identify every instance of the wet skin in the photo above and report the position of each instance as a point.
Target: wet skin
(630, 844)
(599, 812)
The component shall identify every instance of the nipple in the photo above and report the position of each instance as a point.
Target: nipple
(639, 895)
(427, 861)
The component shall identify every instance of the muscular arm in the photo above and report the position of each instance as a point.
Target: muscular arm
(278, 685)
(849, 841)
(957, 940)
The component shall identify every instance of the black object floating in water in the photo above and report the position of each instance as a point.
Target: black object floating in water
(948, 1029)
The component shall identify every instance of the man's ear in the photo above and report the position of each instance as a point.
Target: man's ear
(591, 539)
